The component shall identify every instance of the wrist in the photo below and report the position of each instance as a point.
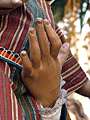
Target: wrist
(48, 100)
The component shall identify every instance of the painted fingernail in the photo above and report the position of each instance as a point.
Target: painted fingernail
(46, 21)
(39, 20)
(23, 53)
(67, 45)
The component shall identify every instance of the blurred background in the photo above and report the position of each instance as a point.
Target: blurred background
(73, 17)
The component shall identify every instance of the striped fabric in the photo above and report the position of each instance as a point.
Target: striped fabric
(72, 73)
(15, 101)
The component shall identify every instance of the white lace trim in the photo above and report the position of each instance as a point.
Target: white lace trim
(58, 105)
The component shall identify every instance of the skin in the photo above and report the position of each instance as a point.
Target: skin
(6, 8)
(41, 74)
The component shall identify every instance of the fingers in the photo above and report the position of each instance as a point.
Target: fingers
(27, 67)
(35, 54)
(16, 2)
(63, 52)
(43, 40)
(10, 3)
(53, 38)
(24, 1)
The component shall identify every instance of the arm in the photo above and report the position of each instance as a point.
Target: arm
(85, 89)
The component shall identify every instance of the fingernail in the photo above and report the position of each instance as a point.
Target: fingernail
(31, 30)
(23, 53)
(18, 1)
(46, 21)
(39, 20)
(67, 45)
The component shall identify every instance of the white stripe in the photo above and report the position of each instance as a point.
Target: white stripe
(73, 71)
(5, 26)
(47, 11)
(18, 37)
(16, 106)
(12, 104)
(57, 29)
(51, 2)
(78, 84)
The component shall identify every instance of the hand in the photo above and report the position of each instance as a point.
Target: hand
(7, 6)
(41, 74)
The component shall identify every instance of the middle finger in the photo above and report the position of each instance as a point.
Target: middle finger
(42, 38)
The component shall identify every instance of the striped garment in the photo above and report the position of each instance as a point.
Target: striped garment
(15, 101)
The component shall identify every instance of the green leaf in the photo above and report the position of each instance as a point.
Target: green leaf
(88, 71)
(85, 46)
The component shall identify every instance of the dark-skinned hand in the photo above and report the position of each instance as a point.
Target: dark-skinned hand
(7, 6)
(41, 74)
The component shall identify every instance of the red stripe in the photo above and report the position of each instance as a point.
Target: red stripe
(56, 27)
(3, 20)
(76, 73)
(79, 86)
(39, 2)
(7, 55)
(26, 27)
(19, 112)
(7, 28)
(38, 117)
(13, 86)
(14, 59)
(69, 65)
(15, 26)
(50, 14)
(1, 98)
(8, 99)
(0, 51)
(74, 82)
(8, 96)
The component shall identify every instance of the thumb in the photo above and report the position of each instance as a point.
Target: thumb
(63, 53)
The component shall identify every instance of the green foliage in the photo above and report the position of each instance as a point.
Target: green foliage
(88, 72)
(86, 47)
(58, 9)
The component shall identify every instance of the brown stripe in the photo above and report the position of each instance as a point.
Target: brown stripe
(68, 61)
(74, 79)
(9, 32)
(14, 105)
(27, 107)
(73, 68)
(5, 96)
(19, 30)
(2, 23)
(79, 85)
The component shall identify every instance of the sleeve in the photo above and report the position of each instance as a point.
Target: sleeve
(55, 112)
(72, 72)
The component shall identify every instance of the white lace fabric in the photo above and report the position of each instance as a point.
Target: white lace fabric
(55, 112)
